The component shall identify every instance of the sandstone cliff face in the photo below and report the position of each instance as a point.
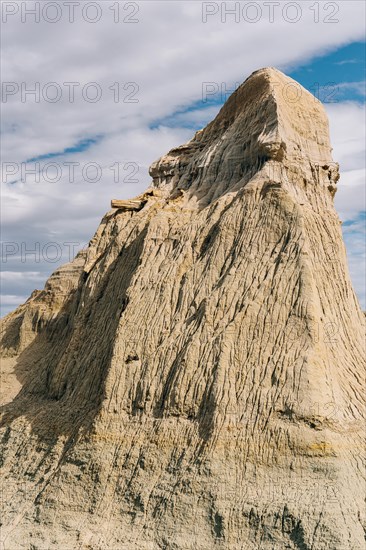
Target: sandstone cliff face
(194, 380)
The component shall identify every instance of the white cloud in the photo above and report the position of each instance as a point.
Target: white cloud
(347, 62)
(168, 62)
(347, 131)
(348, 139)
(15, 275)
(350, 199)
(12, 300)
(358, 87)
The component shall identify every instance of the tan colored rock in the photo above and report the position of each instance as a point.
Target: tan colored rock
(127, 205)
(134, 204)
(201, 382)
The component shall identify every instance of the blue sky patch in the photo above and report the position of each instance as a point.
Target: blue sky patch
(337, 76)
(79, 147)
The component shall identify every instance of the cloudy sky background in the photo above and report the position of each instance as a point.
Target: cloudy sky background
(161, 54)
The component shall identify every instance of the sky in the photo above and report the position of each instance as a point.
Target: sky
(94, 92)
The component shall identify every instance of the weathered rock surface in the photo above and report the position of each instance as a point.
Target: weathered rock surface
(195, 379)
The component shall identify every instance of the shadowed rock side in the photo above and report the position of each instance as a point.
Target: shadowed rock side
(194, 380)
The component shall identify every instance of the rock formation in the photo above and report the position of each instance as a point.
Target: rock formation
(195, 378)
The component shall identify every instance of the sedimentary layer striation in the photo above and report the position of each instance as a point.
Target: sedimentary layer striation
(194, 379)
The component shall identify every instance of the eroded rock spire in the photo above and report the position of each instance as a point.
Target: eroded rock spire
(195, 378)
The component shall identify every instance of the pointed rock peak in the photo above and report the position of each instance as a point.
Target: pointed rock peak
(270, 119)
